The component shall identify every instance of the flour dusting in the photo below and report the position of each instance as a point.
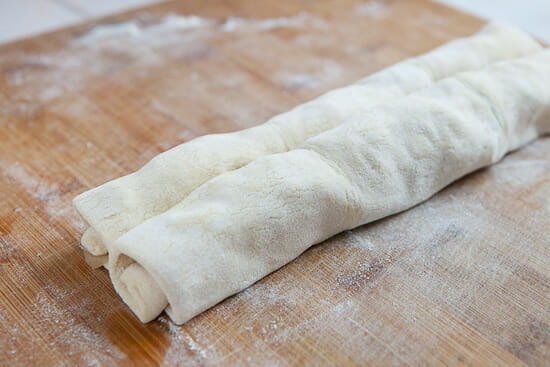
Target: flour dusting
(133, 29)
(100, 32)
(181, 347)
(373, 9)
(325, 72)
(147, 42)
(294, 82)
(280, 311)
(9, 340)
(233, 24)
(178, 23)
(55, 203)
(71, 334)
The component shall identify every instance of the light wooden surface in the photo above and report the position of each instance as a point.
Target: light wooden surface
(24, 18)
(460, 279)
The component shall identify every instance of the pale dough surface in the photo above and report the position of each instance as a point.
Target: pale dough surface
(244, 224)
(119, 205)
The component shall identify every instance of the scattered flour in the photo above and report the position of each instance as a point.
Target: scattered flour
(373, 9)
(9, 340)
(54, 202)
(100, 32)
(331, 70)
(294, 82)
(148, 42)
(71, 335)
(182, 347)
(132, 29)
(533, 168)
(233, 24)
(177, 23)
(326, 72)
(234, 80)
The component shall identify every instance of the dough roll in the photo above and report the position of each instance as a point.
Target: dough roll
(119, 205)
(244, 224)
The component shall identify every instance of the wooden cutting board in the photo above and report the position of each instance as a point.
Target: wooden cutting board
(462, 279)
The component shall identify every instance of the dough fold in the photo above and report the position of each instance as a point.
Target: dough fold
(244, 224)
(119, 205)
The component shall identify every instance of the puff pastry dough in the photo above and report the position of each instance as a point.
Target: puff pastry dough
(119, 205)
(244, 224)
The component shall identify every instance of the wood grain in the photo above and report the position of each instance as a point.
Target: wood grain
(462, 279)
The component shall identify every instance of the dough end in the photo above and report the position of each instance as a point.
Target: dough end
(91, 241)
(141, 293)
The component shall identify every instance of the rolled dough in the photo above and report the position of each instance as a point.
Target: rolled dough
(244, 224)
(119, 205)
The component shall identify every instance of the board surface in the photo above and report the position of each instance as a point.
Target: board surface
(463, 278)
